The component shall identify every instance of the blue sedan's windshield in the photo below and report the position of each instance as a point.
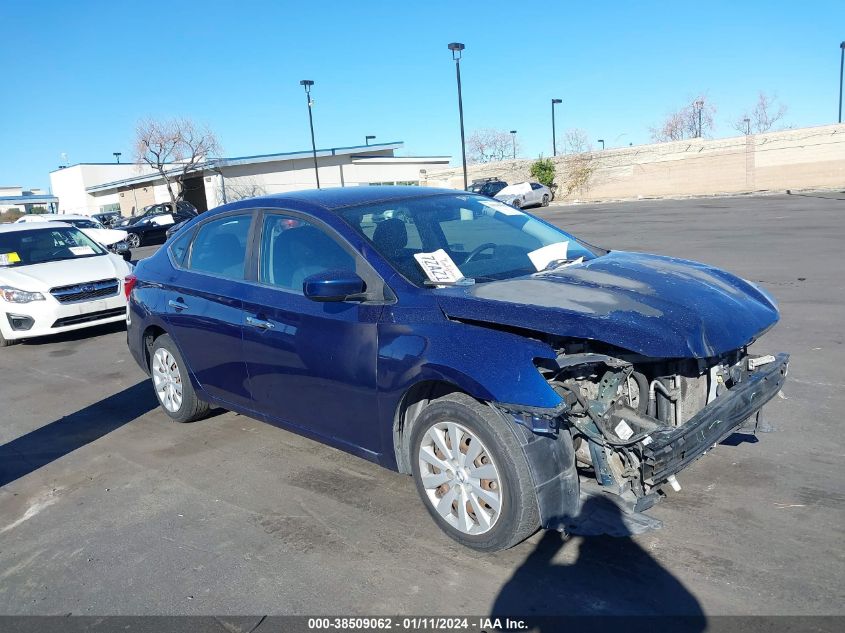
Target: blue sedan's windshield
(486, 239)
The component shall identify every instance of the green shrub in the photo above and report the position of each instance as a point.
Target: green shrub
(543, 170)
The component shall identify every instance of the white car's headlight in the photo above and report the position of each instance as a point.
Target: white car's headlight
(14, 295)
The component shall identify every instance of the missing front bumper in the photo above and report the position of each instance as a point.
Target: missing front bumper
(669, 451)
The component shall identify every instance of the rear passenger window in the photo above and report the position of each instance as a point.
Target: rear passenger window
(179, 248)
(219, 247)
(292, 250)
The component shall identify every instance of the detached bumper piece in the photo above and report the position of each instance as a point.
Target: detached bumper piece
(672, 450)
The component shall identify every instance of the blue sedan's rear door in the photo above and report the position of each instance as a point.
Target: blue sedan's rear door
(310, 364)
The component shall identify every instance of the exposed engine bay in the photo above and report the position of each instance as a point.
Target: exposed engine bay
(635, 422)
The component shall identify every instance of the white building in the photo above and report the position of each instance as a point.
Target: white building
(25, 200)
(90, 188)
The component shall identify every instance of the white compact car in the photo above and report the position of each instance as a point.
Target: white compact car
(54, 278)
(113, 239)
(525, 194)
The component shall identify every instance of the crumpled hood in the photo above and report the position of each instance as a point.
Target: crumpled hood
(42, 277)
(106, 237)
(651, 305)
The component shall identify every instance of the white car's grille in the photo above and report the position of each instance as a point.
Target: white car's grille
(86, 291)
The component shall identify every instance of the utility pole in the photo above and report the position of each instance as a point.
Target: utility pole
(554, 135)
(456, 48)
(307, 83)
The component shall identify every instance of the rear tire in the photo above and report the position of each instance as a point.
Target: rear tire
(517, 204)
(490, 481)
(172, 384)
(4, 342)
(545, 202)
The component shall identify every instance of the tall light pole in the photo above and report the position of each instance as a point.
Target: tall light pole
(513, 138)
(700, 106)
(307, 83)
(116, 157)
(841, 66)
(368, 138)
(554, 136)
(601, 140)
(456, 48)
(747, 126)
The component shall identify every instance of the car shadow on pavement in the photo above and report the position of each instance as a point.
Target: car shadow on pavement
(52, 441)
(614, 584)
(78, 335)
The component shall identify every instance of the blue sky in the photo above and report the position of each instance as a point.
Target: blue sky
(78, 75)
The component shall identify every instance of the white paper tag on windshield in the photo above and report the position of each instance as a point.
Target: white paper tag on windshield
(439, 267)
(161, 220)
(81, 250)
(501, 207)
(545, 255)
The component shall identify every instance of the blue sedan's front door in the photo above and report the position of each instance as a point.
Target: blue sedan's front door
(310, 364)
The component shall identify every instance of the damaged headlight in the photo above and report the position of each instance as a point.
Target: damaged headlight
(15, 295)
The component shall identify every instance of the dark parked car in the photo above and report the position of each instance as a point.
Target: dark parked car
(510, 367)
(487, 186)
(107, 218)
(151, 227)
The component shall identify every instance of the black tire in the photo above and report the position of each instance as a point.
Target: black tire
(4, 342)
(519, 517)
(516, 203)
(191, 408)
(545, 202)
(134, 240)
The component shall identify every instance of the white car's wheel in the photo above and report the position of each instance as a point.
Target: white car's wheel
(545, 200)
(472, 475)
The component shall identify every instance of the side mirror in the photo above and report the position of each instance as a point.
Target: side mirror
(334, 285)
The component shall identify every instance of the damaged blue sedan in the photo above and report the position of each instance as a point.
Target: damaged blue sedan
(512, 369)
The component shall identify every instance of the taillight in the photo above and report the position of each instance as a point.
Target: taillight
(128, 284)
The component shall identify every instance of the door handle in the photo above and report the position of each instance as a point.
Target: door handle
(177, 305)
(259, 323)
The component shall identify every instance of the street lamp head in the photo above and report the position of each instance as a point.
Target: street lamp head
(601, 140)
(554, 101)
(842, 45)
(306, 83)
(368, 138)
(456, 48)
(513, 131)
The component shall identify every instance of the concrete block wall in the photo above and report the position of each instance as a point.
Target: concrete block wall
(804, 158)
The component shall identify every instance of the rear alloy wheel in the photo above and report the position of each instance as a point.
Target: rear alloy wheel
(545, 199)
(134, 240)
(472, 474)
(172, 384)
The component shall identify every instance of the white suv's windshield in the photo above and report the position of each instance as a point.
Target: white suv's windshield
(486, 239)
(39, 245)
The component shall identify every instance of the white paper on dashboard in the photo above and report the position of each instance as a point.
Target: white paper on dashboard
(81, 250)
(439, 267)
(501, 207)
(160, 220)
(545, 255)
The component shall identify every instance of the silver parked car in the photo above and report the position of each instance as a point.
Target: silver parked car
(525, 194)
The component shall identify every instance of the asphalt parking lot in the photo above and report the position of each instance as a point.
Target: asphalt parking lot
(106, 507)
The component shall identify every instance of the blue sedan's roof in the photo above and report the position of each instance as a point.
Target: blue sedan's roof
(336, 198)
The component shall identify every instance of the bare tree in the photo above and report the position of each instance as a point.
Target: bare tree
(763, 117)
(694, 120)
(488, 145)
(240, 189)
(576, 141)
(174, 148)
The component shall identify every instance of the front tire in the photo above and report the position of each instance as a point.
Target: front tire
(482, 494)
(5, 342)
(171, 382)
(134, 240)
(545, 202)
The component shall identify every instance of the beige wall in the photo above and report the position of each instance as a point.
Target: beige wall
(805, 158)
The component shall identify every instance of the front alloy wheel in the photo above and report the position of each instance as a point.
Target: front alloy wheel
(134, 240)
(460, 478)
(472, 474)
